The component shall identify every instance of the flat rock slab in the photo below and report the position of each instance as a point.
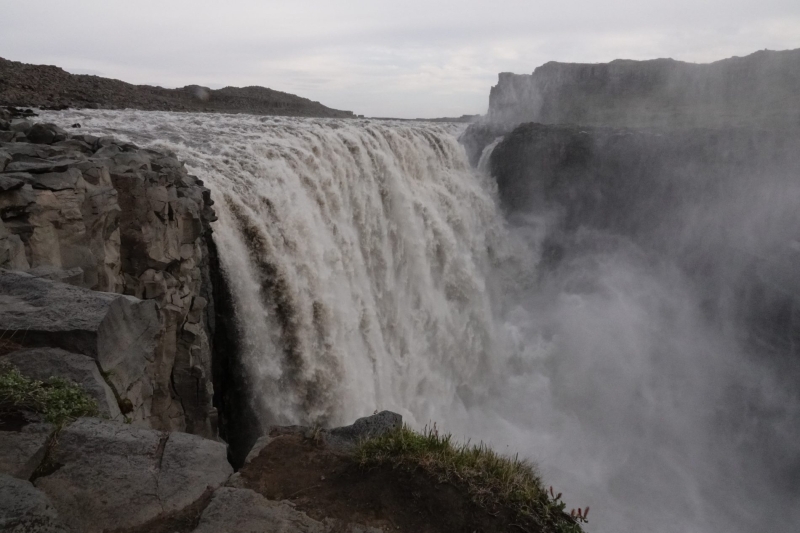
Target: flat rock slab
(22, 451)
(24, 509)
(116, 476)
(118, 331)
(44, 363)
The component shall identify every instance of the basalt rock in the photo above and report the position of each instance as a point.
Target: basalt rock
(111, 476)
(760, 89)
(119, 332)
(42, 363)
(108, 216)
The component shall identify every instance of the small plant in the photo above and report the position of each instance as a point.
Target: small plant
(60, 401)
(492, 480)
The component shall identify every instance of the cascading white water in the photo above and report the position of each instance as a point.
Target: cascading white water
(371, 269)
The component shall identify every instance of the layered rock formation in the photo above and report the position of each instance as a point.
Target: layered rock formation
(42, 85)
(108, 245)
(761, 90)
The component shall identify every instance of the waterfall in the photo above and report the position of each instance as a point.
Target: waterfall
(371, 268)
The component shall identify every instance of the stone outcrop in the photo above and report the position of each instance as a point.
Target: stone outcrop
(761, 91)
(112, 476)
(119, 332)
(103, 215)
(101, 476)
(53, 88)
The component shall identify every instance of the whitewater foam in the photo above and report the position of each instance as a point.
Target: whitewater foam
(372, 269)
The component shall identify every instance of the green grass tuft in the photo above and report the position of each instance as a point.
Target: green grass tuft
(60, 401)
(493, 481)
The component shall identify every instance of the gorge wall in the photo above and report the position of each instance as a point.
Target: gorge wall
(761, 89)
(659, 199)
(85, 219)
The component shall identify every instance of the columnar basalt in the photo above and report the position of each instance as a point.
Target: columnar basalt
(104, 215)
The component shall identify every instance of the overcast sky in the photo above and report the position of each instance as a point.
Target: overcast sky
(402, 58)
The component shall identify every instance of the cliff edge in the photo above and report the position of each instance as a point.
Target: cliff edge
(761, 89)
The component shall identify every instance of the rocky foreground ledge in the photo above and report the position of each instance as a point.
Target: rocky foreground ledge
(97, 475)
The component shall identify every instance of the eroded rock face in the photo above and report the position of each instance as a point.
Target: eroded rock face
(115, 477)
(105, 215)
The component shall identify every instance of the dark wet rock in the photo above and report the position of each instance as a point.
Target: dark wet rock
(40, 166)
(10, 182)
(43, 133)
(364, 428)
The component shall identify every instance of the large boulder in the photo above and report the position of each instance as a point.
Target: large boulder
(43, 363)
(119, 332)
(115, 477)
(45, 134)
(23, 509)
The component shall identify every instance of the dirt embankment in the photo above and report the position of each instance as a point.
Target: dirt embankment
(22, 84)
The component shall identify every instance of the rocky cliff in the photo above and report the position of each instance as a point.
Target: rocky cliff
(720, 204)
(49, 86)
(106, 251)
(760, 89)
